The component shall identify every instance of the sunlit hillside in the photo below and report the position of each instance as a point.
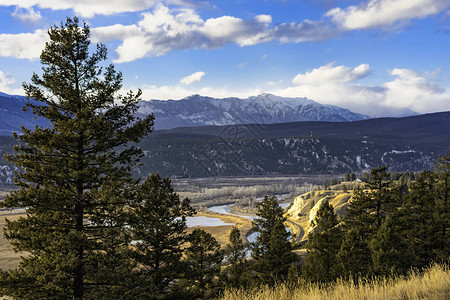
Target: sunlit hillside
(433, 284)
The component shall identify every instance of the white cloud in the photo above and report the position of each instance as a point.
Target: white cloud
(27, 15)
(385, 13)
(179, 91)
(194, 77)
(408, 90)
(6, 83)
(90, 8)
(413, 89)
(164, 30)
(332, 73)
(23, 45)
(263, 18)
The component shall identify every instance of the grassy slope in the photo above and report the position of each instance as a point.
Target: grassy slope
(434, 284)
(8, 258)
(305, 206)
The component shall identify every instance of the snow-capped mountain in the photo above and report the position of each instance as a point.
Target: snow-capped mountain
(12, 116)
(197, 110)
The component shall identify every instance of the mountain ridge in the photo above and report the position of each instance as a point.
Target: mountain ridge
(402, 144)
(196, 110)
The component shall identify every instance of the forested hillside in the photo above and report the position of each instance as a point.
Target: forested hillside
(402, 144)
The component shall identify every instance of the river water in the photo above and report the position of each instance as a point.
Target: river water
(205, 221)
(225, 209)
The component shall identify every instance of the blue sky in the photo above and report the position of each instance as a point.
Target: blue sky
(378, 57)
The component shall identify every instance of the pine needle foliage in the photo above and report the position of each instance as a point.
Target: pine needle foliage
(323, 245)
(272, 249)
(158, 226)
(73, 175)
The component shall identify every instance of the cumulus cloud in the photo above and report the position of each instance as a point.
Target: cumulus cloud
(408, 90)
(332, 73)
(5, 81)
(27, 15)
(23, 45)
(263, 18)
(194, 77)
(180, 91)
(385, 13)
(89, 8)
(6, 85)
(163, 30)
(414, 90)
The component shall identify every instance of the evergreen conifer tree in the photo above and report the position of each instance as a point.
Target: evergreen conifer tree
(323, 245)
(158, 228)
(369, 206)
(73, 176)
(347, 177)
(354, 256)
(235, 257)
(272, 249)
(417, 216)
(203, 262)
(442, 212)
(389, 250)
(365, 214)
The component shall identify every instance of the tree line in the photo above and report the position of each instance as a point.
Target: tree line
(389, 228)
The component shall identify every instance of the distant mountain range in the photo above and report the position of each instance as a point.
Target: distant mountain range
(248, 144)
(200, 111)
(197, 110)
(12, 116)
(403, 144)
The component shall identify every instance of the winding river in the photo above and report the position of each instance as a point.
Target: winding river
(225, 209)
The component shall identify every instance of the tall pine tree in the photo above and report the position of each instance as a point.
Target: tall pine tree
(417, 216)
(203, 262)
(272, 249)
(73, 175)
(365, 214)
(442, 213)
(323, 245)
(158, 226)
(389, 250)
(233, 276)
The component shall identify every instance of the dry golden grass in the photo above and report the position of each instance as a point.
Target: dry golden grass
(434, 284)
(8, 258)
